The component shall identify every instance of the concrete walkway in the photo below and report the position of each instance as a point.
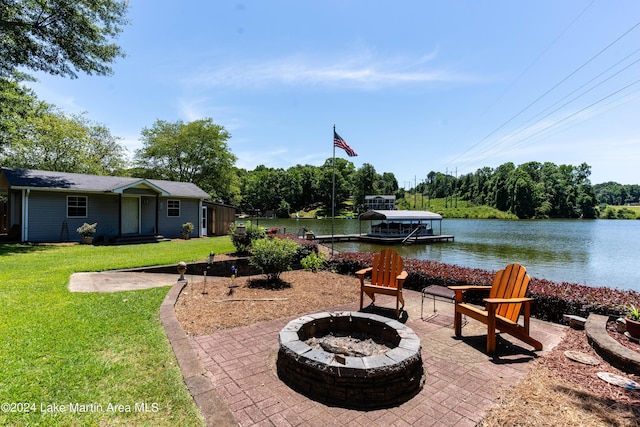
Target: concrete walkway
(114, 281)
(232, 374)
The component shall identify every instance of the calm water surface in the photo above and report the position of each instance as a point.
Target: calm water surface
(590, 252)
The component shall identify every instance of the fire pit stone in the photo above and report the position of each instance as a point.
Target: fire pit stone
(363, 382)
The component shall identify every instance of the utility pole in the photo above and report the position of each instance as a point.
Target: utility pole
(446, 188)
(415, 191)
(455, 191)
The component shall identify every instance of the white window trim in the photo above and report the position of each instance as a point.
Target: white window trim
(179, 208)
(86, 208)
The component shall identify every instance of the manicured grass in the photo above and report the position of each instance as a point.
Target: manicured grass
(62, 350)
(452, 209)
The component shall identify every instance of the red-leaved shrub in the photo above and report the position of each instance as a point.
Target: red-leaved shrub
(552, 299)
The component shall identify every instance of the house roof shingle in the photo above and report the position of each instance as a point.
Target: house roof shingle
(27, 178)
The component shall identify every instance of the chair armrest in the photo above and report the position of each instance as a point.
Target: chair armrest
(363, 271)
(400, 278)
(469, 288)
(459, 290)
(506, 300)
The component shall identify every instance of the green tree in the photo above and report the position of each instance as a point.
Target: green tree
(60, 36)
(52, 140)
(188, 152)
(310, 181)
(499, 192)
(524, 199)
(388, 184)
(292, 190)
(344, 171)
(261, 189)
(365, 184)
(18, 104)
(613, 193)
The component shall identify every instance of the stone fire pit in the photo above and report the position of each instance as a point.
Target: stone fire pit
(320, 357)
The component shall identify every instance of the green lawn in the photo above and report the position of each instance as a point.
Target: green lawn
(86, 358)
(451, 209)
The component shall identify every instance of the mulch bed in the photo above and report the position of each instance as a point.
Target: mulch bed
(585, 376)
(612, 329)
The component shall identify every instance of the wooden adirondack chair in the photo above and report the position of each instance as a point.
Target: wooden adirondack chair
(502, 310)
(387, 277)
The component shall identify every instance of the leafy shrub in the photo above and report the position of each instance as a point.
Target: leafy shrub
(186, 228)
(273, 256)
(305, 247)
(244, 242)
(314, 262)
(551, 299)
(625, 213)
(87, 230)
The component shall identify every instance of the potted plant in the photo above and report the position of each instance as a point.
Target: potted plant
(186, 230)
(86, 231)
(632, 320)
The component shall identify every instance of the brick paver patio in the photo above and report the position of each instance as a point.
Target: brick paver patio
(462, 382)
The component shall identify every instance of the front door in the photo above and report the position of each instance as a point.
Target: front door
(130, 215)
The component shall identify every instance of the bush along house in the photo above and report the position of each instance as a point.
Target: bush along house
(44, 206)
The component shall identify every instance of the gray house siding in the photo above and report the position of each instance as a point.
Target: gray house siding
(45, 213)
(189, 212)
(48, 215)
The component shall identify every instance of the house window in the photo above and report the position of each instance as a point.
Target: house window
(76, 206)
(173, 207)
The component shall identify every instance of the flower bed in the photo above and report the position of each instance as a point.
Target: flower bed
(552, 299)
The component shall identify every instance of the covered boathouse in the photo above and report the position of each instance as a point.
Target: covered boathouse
(394, 227)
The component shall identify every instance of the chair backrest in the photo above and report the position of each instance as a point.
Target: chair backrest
(512, 282)
(387, 265)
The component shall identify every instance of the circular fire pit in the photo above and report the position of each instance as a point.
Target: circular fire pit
(383, 371)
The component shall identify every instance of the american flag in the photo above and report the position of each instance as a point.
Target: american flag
(340, 143)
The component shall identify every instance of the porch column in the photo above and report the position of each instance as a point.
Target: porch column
(120, 214)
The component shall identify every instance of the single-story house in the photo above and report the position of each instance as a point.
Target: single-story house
(45, 206)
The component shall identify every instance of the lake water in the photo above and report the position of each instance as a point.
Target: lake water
(589, 252)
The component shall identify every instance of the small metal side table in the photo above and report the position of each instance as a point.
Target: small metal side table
(435, 291)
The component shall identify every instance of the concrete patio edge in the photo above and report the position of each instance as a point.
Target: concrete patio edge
(211, 405)
(611, 350)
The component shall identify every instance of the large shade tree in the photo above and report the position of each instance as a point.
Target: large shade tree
(51, 140)
(60, 36)
(343, 173)
(365, 184)
(17, 104)
(188, 152)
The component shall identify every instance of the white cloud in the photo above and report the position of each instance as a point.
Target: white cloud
(360, 70)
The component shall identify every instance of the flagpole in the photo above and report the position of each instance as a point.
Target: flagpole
(333, 187)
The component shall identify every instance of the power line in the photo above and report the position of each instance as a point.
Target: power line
(551, 89)
(538, 119)
(572, 115)
(537, 58)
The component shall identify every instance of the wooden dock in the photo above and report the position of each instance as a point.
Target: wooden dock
(383, 240)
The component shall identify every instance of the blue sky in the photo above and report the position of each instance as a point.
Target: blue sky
(412, 86)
